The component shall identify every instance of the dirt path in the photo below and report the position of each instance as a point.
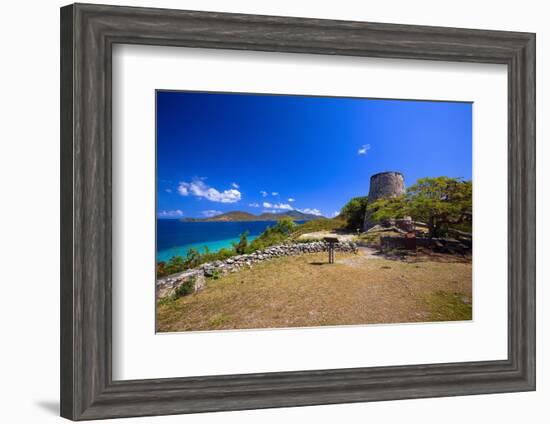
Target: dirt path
(364, 254)
(319, 235)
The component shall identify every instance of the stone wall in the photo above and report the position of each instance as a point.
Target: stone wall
(167, 285)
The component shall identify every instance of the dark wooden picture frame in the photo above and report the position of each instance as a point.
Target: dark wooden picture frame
(88, 33)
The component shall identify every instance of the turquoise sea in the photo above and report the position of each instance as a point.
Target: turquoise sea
(175, 237)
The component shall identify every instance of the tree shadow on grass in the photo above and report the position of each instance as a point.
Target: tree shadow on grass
(318, 263)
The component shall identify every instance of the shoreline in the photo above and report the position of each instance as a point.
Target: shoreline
(213, 245)
(218, 234)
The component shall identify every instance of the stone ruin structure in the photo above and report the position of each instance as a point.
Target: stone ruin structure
(387, 185)
(383, 185)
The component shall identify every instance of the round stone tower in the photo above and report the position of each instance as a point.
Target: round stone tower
(383, 185)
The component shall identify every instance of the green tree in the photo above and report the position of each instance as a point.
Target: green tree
(175, 264)
(284, 226)
(440, 202)
(354, 212)
(241, 246)
(192, 259)
(273, 235)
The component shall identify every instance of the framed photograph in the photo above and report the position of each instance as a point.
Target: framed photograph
(309, 246)
(269, 211)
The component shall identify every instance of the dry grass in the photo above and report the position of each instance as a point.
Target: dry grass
(373, 237)
(449, 306)
(305, 291)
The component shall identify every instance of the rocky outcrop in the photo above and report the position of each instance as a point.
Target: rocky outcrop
(384, 185)
(166, 286)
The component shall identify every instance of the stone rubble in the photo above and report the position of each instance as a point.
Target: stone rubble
(167, 286)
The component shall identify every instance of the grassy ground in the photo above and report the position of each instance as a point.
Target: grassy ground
(373, 237)
(321, 224)
(317, 229)
(305, 291)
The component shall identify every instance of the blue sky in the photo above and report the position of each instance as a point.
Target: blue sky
(220, 152)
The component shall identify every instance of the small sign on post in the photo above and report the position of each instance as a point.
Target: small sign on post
(331, 242)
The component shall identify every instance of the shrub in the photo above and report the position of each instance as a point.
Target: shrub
(193, 258)
(241, 246)
(354, 211)
(273, 235)
(175, 264)
(184, 289)
(220, 255)
(161, 271)
(284, 226)
(223, 254)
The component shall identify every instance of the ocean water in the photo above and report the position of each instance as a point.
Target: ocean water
(175, 237)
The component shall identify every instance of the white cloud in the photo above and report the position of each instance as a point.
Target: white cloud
(263, 193)
(290, 199)
(335, 213)
(183, 189)
(210, 213)
(311, 211)
(283, 206)
(274, 193)
(254, 205)
(198, 188)
(176, 213)
(363, 149)
(168, 190)
(234, 185)
(278, 206)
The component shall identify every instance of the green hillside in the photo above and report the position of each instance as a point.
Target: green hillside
(235, 216)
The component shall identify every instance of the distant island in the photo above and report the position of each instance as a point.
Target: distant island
(236, 216)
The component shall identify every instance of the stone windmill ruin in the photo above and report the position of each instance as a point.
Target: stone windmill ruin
(387, 185)
(383, 185)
